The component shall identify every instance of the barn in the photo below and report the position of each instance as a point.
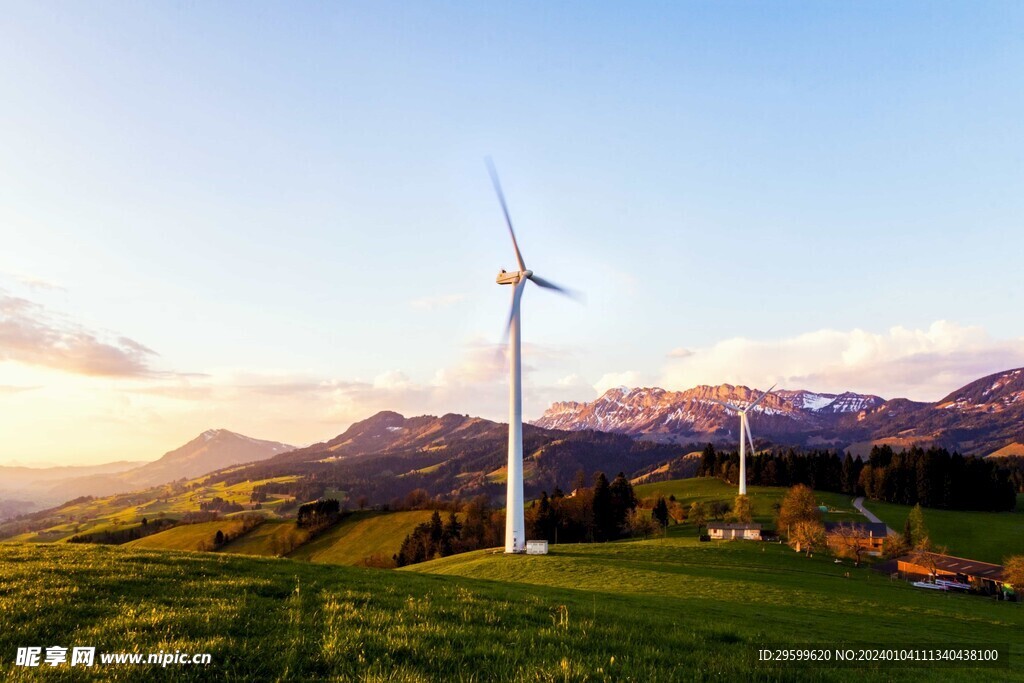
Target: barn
(928, 566)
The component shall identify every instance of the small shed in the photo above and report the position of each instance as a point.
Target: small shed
(536, 547)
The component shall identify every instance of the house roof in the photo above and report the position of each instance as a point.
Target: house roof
(870, 529)
(956, 565)
(733, 525)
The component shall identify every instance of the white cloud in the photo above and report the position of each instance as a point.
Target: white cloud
(392, 379)
(629, 378)
(919, 364)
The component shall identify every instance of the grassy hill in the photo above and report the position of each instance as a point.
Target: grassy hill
(362, 535)
(188, 536)
(985, 536)
(664, 610)
(762, 498)
(356, 538)
(264, 540)
(743, 592)
(122, 511)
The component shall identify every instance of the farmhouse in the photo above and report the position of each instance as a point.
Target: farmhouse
(982, 576)
(729, 530)
(869, 536)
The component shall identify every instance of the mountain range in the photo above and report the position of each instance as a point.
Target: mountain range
(642, 432)
(984, 417)
(23, 488)
(389, 455)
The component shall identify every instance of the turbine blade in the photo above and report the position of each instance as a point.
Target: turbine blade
(517, 295)
(504, 207)
(762, 396)
(728, 406)
(750, 437)
(548, 284)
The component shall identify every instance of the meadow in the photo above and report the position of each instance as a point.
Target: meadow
(662, 610)
(188, 536)
(124, 511)
(362, 535)
(763, 499)
(665, 609)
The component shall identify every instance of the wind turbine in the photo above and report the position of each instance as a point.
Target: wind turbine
(745, 432)
(515, 524)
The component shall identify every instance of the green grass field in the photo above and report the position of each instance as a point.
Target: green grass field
(762, 498)
(261, 540)
(114, 512)
(662, 610)
(985, 536)
(666, 609)
(361, 535)
(188, 536)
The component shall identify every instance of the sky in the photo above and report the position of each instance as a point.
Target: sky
(275, 218)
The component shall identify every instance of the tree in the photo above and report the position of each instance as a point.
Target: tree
(623, 500)
(918, 531)
(218, 540)
(849, 475)
(742, 511)
(660, 513)
(436, 527)
(1013, 574)
(698, 515)
(798, 505)
(541, 519)
(605, 527)
(418, 499)
(893, 546)
(847, 542)
(677, 512)
(452, 528)
(807, 535)
(640, 523)
(708, 461)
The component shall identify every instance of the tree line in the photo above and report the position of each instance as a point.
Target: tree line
(119, 536)
(932, 477)
(603, 511)
(481, 527)
(599, 512)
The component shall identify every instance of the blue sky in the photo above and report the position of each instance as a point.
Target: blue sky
(288, 205)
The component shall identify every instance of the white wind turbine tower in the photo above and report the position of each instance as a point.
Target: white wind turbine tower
(515, 524)
(745, 434)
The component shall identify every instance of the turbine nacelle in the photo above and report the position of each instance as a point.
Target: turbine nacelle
(513, 278)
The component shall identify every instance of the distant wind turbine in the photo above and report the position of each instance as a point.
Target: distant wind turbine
(515, 524)
(744, 433)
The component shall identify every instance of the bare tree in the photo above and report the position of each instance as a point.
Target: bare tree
(848, 542)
